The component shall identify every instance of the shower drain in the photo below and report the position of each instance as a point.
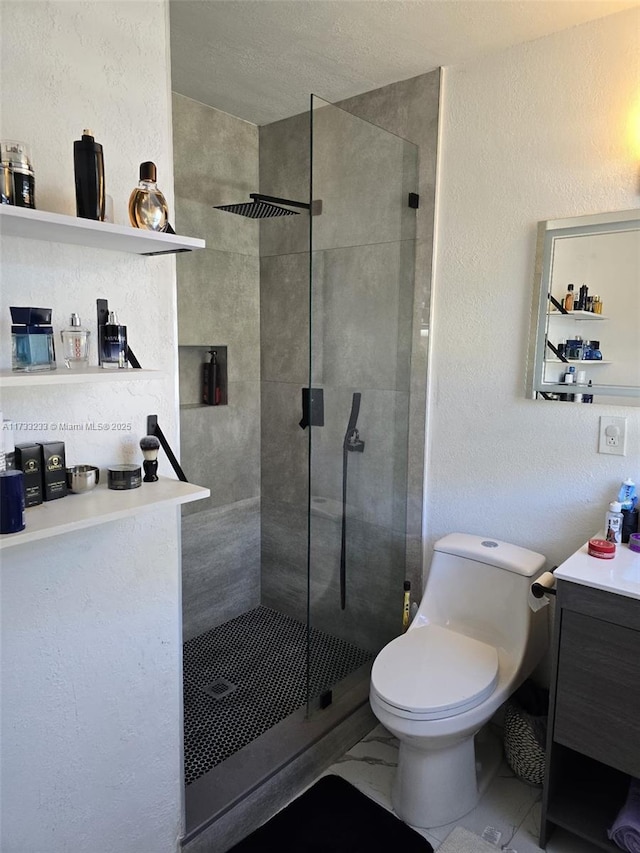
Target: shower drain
(219, 688)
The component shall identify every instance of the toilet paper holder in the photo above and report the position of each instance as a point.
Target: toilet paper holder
(544, 585)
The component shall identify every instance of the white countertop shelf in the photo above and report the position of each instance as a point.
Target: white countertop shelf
(76, 512)
(58, 228)
(63, 376)
(620, 575)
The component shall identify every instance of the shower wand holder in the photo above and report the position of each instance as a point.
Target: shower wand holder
(354, 443)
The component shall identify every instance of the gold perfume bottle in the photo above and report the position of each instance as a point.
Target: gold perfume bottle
(147, 206)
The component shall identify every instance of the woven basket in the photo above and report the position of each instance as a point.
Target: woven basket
(524, 753)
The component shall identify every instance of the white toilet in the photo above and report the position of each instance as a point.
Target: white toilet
(473, 641)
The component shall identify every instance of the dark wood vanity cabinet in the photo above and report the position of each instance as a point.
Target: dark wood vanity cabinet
(593, 741)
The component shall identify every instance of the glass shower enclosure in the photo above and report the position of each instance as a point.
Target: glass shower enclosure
(362, 230)
(337, 321)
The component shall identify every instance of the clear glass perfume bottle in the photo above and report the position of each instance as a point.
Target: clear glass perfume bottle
(147, 206)
(75, 344)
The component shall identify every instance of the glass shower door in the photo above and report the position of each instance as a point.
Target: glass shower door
(361, 306)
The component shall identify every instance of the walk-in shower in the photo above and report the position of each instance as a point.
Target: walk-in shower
(325, 532)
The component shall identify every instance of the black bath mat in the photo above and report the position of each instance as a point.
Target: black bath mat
(334, 817)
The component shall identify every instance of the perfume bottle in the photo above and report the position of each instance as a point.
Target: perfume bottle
(88, 164)
(75, 344)
(147, 206)
(569, 298)
(113, 343)
(32, 345)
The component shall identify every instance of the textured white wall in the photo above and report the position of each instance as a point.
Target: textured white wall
(540, 131)
(90, 622)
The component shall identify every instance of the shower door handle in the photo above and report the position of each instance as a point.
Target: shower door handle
(312, 407)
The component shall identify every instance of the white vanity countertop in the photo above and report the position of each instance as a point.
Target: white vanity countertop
(620, 575)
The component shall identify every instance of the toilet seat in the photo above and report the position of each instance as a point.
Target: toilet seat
(432, 673)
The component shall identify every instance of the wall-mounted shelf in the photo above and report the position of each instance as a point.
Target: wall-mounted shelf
(55, 227)
(577, 315)
(584, 362)
(76, 512)
(63, 376)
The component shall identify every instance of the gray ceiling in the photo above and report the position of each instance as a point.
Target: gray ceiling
(260, 59)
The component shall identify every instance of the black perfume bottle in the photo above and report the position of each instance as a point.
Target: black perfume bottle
(113, 343)
(88, 166)
(211, 388)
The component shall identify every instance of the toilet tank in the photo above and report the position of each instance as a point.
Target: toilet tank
(480, 587)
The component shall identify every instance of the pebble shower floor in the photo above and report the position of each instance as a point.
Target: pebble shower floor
(246, 675)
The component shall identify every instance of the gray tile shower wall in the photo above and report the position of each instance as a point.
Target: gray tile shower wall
(284, 172)
(218, 300)
(221, 565)
(215, 162)
(221, 446)
(373, 554)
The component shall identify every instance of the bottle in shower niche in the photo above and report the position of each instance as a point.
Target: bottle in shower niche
(88, 164)
(211, 387)
(75, 344)
(147, 205)
(113, 343)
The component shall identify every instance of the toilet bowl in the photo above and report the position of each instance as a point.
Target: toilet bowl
(473, 641)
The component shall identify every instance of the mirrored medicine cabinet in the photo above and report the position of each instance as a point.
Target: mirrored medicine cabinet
(585, 339)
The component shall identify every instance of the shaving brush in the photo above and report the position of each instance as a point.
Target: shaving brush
(150, 446)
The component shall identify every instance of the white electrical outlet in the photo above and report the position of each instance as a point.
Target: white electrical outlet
(613, 436)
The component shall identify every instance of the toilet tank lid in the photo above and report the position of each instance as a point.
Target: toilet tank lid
(493, 552)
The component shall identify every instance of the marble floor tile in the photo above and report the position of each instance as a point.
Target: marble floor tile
(504, 806)
(370, 765)
(509, 805)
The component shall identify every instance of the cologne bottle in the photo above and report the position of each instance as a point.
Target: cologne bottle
(88, 164)
(569, 298)
(75, 344)
(32, 345)
(147, 206)
(113, 343)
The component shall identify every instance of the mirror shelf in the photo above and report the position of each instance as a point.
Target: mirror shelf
(594, 260)
(577, 316)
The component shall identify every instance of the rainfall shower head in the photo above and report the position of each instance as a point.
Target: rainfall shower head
(262, 207)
